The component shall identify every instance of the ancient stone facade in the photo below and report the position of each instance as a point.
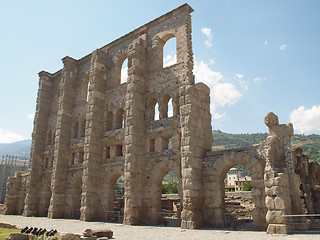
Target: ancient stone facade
(90, 128)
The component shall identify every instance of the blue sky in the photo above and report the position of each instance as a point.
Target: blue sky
(256, 56)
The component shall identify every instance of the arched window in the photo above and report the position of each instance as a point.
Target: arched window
(109, 121)
(124, 71)
(156, 112)
(169, 51)
(170, 108)
(75, 129)
(164, 106)
(85, 88)
(83, 128)
(151, 109)
(120, 118)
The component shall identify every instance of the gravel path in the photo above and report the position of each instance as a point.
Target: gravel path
(121, 231)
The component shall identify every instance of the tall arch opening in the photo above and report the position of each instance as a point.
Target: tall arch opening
(217, 213)
(168, 202)
(238, 198)
(169, 51)
(113, 199)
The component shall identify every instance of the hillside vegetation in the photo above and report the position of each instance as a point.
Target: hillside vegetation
(310, 144)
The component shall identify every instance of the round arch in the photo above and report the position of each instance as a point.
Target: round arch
(214, 191)
(154, 187)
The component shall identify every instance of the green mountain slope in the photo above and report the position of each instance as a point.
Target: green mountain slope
(310, 144)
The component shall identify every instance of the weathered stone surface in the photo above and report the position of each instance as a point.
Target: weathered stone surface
(103, 233)
(87, 232)
(69, 236)
(20, 236)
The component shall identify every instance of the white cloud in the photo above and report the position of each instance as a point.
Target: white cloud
(306, 120)
(266, 42)
(222, 93)
(283, 47)
(9, 137)
(169, 60)
(243, 83)
(211, 61)
(30, 116)
(259, 80)
(207, 31)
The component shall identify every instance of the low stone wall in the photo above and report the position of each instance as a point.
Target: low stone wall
(244, 194)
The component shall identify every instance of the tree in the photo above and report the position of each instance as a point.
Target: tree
(247, 186)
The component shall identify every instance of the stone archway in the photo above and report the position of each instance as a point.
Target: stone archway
(107, 195)
(215, 172)
(153, 206)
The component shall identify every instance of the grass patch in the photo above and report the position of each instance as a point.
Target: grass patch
(4, 232)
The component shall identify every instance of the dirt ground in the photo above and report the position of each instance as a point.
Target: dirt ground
(147, 232)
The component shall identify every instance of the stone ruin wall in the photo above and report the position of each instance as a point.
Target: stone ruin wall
(90, 129)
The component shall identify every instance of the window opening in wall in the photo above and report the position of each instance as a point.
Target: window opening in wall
(46, 164)
(54, 137)
(124, 71)
(83, 128)
(239, 207)
(152, 145)
(120, 119)
(156, 112)
(170, 108)
(88, 91)
(107, 152)
(170, 52)
(170, 143)
(118, 150)
(81, 157)
(165, 143)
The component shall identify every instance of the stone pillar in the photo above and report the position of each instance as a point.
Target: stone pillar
(39, 135)
(196, 140)
(63, 137)
(93, 152)
(281, 183)
(135, 132)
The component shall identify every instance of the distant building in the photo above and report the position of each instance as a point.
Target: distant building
(8, 166)
(235, 180)
(239, 184)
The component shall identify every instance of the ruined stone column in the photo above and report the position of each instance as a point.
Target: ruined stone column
(281, 183)
(63, 136)
(39, 135)
(135, 132)
(196, 140)
(94, 133)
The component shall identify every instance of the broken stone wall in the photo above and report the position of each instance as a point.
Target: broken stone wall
(309, 173)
